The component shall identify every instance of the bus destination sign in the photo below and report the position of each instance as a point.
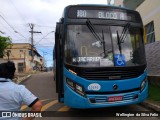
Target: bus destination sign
(101, 14)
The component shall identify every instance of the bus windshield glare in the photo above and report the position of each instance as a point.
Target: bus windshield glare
(99, 46)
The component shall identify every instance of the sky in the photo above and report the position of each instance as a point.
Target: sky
(16, 15)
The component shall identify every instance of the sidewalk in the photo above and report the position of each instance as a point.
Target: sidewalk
(21, 77)
(155, 106)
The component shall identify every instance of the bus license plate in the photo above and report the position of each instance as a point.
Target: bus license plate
(115, 98)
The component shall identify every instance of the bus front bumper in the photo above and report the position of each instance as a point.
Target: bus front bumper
(75, 100)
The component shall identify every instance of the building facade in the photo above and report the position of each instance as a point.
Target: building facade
(118, 3)
(21, 55)
(150, 13)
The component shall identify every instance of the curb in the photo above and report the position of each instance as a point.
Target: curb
(22, 79)
(151, 105)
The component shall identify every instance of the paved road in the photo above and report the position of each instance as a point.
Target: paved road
(43, 86)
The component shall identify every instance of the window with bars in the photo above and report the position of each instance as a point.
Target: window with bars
(20, 67)
(149, 32)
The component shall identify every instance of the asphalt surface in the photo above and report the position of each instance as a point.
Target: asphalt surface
(43, 86)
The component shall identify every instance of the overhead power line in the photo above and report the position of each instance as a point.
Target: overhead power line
(45, 46)
(18, 11)
(7, 30)
(45, 26)
(44, 37)
(12, 27)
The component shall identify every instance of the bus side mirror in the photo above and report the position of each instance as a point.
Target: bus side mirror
(62, 20)
(59, 29)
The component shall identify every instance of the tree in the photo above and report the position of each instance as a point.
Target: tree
(4, 43)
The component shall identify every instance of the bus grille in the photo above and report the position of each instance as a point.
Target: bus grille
(110, 74)
(104, 99)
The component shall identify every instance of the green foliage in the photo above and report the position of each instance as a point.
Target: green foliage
(154, 93)
(4, 43)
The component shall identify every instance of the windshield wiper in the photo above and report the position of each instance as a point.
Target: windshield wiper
(92, 29)
(98, 37)
(120, 39)
(119, 43)
(103, 42)
(124, 32)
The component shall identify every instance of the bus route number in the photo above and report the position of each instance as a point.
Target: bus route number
(81, 13)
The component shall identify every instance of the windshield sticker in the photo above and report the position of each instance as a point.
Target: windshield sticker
(105, 62)
(94, 86)
(97, 44)
(86, 59)
(119, 60)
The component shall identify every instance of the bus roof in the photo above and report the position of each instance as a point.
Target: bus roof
(100, 5)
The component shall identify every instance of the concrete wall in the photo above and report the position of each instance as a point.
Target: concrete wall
(118, 2)
(150, 11)
(153, 62)
(153, 58)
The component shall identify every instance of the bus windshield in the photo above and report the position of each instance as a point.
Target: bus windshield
(97, 46)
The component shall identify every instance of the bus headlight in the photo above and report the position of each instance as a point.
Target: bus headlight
(143, 84)
(76, 87)
(70, 83)
(79, 88)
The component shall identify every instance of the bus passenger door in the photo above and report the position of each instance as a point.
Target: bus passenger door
(59, 61)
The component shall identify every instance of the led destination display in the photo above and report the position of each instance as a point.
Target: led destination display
(114, 14)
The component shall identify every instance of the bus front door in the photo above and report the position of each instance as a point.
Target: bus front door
(59, 59)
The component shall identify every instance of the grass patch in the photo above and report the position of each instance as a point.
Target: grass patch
(154, 93)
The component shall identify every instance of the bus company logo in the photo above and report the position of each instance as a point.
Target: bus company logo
(94, 86)
(115, 87)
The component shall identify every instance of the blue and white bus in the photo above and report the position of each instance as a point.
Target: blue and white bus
(99, 57)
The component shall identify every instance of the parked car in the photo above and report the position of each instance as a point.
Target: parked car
(45, 69)
(36, 68)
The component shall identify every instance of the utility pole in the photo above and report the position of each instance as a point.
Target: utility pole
(31, 26)
(24, 61)
(8, 54)
(32, 41)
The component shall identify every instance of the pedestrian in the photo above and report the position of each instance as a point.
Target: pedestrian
(13, 95)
